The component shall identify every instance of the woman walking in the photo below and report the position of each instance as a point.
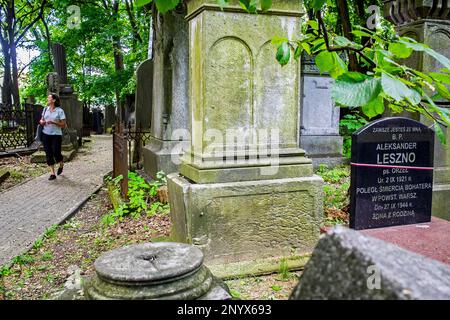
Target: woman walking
(53, 120)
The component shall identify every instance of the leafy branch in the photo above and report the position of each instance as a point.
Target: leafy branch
(377, 80)
(381, 79)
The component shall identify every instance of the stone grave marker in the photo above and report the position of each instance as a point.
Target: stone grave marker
(391, 174)
(144, 89)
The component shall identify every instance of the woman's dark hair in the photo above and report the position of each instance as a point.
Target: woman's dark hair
(57, 99)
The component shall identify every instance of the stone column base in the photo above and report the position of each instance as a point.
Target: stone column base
(158, 156)
(240, 223)
(323, 149)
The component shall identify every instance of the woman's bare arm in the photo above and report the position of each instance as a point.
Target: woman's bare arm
(59, 123)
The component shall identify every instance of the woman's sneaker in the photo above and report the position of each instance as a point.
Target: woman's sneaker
(52, 177)
(60, 170)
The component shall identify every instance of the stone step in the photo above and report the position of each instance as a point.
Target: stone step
(39, 157)
(67, 147)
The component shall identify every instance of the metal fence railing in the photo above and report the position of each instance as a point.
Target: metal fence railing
(18, 125)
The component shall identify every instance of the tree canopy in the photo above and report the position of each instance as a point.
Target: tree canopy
(106, 40)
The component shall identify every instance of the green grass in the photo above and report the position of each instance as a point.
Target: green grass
(236, 295)
(16, 175)
(336, 193)
(335, 175)
(47, 256)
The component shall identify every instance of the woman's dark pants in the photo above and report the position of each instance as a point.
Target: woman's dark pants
(52, 147)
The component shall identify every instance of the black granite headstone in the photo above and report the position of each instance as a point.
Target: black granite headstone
(391, 174)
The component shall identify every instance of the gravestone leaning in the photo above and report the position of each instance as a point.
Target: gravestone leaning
(245, 199)
(391, 174)
(428, 22)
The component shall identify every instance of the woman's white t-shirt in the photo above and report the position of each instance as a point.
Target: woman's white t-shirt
(57, 115)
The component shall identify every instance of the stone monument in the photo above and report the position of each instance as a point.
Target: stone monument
(110, 117)
(246, 194)
(428, 22)
(57, 83)
(169, 106)
(144, 89)
(391, 174)
(319, 134)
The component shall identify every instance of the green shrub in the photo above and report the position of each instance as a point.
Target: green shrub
(347, 126)
(142, 198)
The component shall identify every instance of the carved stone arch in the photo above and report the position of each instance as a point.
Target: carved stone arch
(276, 87)
(416, 59)
(439, 40)
(229, 60)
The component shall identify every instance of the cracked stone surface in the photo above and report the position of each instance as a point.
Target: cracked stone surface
(149, 262)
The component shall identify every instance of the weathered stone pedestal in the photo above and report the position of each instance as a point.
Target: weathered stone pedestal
(169, 107)
(428, 22)
(157, 271)
(251, 221)
(319, 134)
(246, 194)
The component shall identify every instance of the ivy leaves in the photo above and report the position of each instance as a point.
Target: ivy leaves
(317, 4)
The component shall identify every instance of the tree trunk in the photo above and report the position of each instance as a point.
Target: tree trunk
(152, 33)
(11, 16)
(6, 89)
(118, 60)
(15, 74)
(14, 28)
(347, 28)
(133, 24)
(360, 7)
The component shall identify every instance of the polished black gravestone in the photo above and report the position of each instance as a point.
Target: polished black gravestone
(391, 174)
(160, 271)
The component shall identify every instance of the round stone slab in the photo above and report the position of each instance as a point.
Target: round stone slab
(148, 263)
